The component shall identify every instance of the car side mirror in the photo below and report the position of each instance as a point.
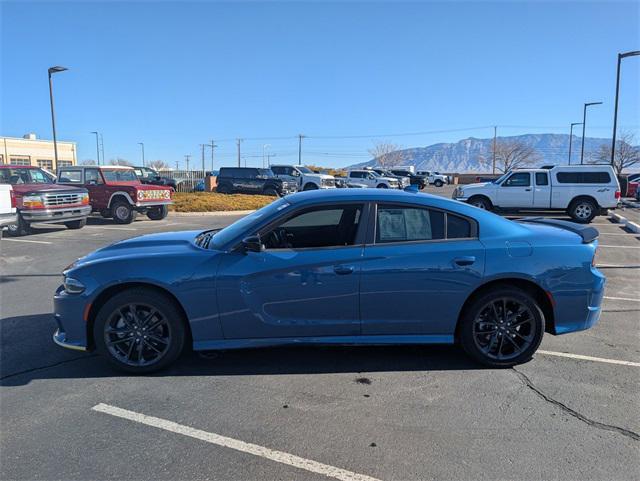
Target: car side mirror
(92, 182)
(253, 244)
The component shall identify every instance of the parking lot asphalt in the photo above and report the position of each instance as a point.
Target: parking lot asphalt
(387, 413)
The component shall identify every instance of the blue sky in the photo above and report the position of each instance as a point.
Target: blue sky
(176, 74)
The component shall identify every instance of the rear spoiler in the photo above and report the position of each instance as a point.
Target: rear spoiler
(588, 234)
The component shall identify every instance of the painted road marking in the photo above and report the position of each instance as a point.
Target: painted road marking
(256, 450)
(620, 247)
(632, 234)
(616, 266)
(25, 240)
(588, 358)
(622, 299)
(107, 227)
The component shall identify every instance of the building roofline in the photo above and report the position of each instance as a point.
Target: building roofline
(38, 140)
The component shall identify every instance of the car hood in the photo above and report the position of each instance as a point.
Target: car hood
(45, 188)
(477, 185)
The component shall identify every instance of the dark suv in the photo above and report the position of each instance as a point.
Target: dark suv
(249, 180)
(150, 176)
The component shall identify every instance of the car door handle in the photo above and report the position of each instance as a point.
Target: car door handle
(528, 190)
(343, 270)
(464, 261)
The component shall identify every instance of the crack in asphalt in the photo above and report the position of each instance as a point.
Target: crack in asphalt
(48, 366)
(607, 427)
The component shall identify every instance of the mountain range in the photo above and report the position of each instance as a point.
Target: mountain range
(466, 155)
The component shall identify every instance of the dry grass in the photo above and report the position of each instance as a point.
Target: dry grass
(214, 202)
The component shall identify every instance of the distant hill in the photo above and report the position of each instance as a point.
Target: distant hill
(465, 155)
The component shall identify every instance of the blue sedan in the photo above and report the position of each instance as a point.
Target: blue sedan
(348, 266)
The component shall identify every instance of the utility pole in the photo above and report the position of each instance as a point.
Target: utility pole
(203, 168)
(269, 155)
(571, 138)
(213, 146)
(141, 144)
(584, 124)
(300, 137)
(97, 148)
(102, 149)
(495, 138)
(186, 158)
(177, 165)
(238, 144)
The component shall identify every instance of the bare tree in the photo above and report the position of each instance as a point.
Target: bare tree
(509, 155)
(626, 154)
(158, 165)
(120, 161)
(88, 162)
(386, 154)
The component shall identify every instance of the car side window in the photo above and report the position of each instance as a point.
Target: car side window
(327, 226)
(519, 179)
(70, 176)
(542, 178)
(458, 227)
(92, 176)
(406, 224)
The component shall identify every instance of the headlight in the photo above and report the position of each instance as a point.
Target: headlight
(33, 202)
(73, 286)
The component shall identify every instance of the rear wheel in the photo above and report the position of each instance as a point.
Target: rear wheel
(139, 331)
(382, 186)
(481, 203)
(76, 224)
(123, 212)
(583, 210)
(438, 183)
(502, 328)
(158, 213)
(310, 186)
(19, 228)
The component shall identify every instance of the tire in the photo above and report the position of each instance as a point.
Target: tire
(158, 213)
(106, 213)
(167, 337)
(382, 186)
(122, 212)
(583, 210)
(310, 186)
(76, 224)
(481, 203)
(19, 228)
(438, 183)
(491, 348)
(271, 192)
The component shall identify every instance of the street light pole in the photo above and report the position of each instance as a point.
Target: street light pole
(51, 71)
(97, 149)
(615, 108)
(300, 137)
(571, 138)
(238, 144)
(584, 124)
(141, 144)
(264, 146)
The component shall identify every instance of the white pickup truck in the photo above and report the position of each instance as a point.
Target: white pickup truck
(306, 178)
(434, 178)
(7, 205)
(371, 178)
(581, 191)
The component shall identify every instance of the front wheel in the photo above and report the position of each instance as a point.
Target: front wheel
(271, 192)
(76, 224)
(502, 328)
(123, 212)
(310, 186)
(382, 186)
(139, 331)
(481, 203)
(583, 210)
(19, 228)
(438, 183)
(158, 213)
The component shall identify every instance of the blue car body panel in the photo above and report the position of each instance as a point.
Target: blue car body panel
(393, 293)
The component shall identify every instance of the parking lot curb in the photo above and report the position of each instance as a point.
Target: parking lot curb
(632, 226)
(220, 212)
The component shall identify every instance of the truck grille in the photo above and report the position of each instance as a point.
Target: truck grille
(55, 200)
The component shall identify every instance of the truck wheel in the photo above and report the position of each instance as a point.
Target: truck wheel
(19, 228)
(310, 186)
(76, 224)
(481, 203)
(382, 186)
(438, 183)
(106, 213)
(272, 192)
(583, 210)
(158, 213)
(123, 212)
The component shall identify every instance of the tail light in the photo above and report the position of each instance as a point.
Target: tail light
(617, 194)
(13, 198)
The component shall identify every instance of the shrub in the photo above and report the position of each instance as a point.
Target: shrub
(214, 202)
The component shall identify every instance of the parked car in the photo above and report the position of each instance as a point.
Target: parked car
(414, 179)
(582, 191)
(304, 177)
(336, 267)
(434, 178)
(632, 189)
(38, 199)
(116, 192)
(372, 179)
(148, 175)
(403, 180)
(250, 180)
(8, 214)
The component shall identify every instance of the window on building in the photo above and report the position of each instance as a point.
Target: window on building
(45, 164)
(20, 160)
(1, 159)
(64, 163)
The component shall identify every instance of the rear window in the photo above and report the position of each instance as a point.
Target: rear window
(70, 176)
(584, 177)
(407, 224)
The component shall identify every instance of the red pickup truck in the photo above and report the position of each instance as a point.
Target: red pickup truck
(116, 192)
(38, 199)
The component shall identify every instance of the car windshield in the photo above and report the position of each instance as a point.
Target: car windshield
(17, 176)
(305, 170)
(145, 172)
(501, 178)
(119, 175)
(266, 172)
(243, 225)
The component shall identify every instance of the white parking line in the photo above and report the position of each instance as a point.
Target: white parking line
(107, 227)
(620, 247)
(25, 240)
(618, 233)
(213, 438)
(622, 299)
(588, 358)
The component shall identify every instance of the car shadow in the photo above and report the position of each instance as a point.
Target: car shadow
(28, 353)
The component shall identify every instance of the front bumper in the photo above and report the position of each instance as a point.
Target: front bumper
(52, 216)
(60, 338)
(69, 316)
(152, 203)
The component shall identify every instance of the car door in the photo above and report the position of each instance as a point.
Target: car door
(420, 265)
(305, 282)
(516, 191)
(541, 191)
(94, 183)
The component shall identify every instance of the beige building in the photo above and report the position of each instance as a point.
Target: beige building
(29, 150)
